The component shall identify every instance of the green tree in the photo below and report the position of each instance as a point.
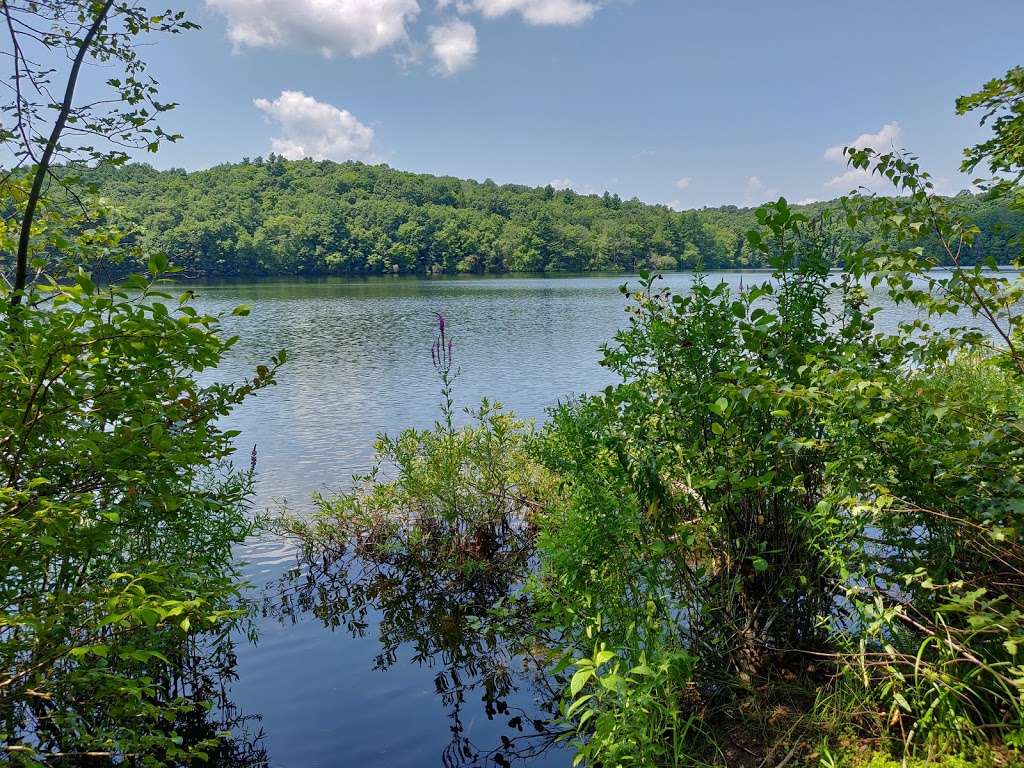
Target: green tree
(43, 130)
(119, 509)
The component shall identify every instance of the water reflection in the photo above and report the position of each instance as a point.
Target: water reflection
(203, 670)
(459, 622)
(206, 673)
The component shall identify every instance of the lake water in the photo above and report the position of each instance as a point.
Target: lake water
(335, 684)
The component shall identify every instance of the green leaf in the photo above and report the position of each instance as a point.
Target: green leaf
(613, 682)
(579, 680)
(577, 703)
(904, 704)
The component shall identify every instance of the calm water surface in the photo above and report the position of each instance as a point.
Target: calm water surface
(341, 687)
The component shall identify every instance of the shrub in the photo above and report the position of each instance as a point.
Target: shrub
(682, 523)
(118, 514)
(802, 505)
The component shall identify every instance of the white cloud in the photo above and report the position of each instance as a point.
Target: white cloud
(675, 205)
(562, 183)
(852, 179)
(855, 178)
(453, 46)
(348, 27)
(862, 179)
(537, 12)
(807, 201)
(311, 128)
(684, 182)
(758, 192)
(941, 186)
(581, 189)
(887, 136)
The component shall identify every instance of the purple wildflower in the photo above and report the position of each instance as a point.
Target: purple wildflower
(441, 351)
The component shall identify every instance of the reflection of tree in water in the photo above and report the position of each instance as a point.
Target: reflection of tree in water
(206, 674)
(204, 669)
(460, 618)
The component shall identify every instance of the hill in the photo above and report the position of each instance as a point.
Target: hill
(305, 217)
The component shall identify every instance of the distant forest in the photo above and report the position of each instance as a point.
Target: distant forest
(280, 217)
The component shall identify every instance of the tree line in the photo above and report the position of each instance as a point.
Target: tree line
(273, 216)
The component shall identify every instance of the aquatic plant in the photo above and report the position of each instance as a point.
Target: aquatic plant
(438, 537)
(441, 355)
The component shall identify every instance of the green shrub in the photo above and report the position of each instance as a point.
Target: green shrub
(782, 527)
(461, 499)
(118, 514)
(682, 523)
(802, 505)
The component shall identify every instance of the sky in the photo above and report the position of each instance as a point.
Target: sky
(688, 103)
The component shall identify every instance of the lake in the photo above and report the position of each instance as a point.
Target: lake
(340, 678)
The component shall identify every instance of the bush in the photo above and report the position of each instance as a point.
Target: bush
(119, 514)
(802, 507)
(460, 499)
(682, 524)
(782, 528)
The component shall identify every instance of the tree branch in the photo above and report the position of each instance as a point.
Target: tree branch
(21, 270)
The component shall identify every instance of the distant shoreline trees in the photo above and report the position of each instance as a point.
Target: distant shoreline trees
(277, 217)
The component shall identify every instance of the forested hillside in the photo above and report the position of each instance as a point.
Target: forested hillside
(280, 217)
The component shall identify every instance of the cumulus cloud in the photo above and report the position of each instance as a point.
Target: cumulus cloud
(852, 179)
(347, 27)
(758, 192)
(562, 183)
(807, 201)
(887, 136)
(311, 128)
(855, 178)
(537, 12)
(684, 183)
(942, 187)
(581, 189)
(675, 205)
(453, 46)
(860, 178)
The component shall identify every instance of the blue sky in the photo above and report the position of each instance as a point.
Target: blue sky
(686, 102)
